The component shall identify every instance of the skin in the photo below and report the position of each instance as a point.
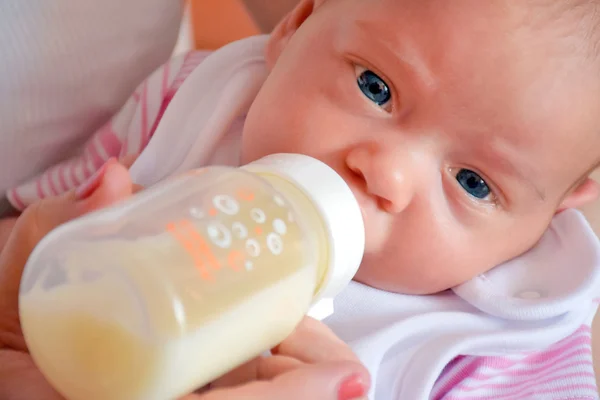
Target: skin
(456, 104)
(311, 363)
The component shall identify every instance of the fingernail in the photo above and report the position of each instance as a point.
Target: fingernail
(353, 388)
(86, 189)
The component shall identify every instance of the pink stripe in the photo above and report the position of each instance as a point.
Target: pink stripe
(90, 168)
(498, 363)
(51, 185)
(525, 367)
(583, 328)
(535, 391)
(543, 357)
(87, 169)
(165, 82)
(72, 174)
(94, 155)
(582, 344)
(167, 95)
(161, 112)
(136, 96)
(85, 157)
(186, 71)
(62, 178)
(39, 190)
(111, 144)
(144, 116)
(15, 198)
(478, 381)
(190, 63)
(124, 149)
(455, 367)
(597, 300)
(533, 377)
(189, 67)
(460, 376)
(455, 363)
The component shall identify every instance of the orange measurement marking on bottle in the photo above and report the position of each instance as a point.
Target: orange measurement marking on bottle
(212, 212)
(200, 244)
(235, 260)
(258, 230)
(245, 195)
(192, 251)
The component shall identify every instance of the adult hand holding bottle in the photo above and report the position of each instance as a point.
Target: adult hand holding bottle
(312, 363)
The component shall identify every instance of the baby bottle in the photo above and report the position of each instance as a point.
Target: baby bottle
(161, 294)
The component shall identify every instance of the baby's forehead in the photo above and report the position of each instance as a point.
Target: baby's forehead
(573, 21)
(523, 70)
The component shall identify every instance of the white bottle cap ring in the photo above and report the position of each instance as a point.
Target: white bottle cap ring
(337, 206)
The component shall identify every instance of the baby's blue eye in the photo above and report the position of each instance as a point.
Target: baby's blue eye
(374, 88)
(473, 184)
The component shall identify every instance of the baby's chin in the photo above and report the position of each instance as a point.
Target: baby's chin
(401, 287)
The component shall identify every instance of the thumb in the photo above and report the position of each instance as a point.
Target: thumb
(326, 381)
(112, 185)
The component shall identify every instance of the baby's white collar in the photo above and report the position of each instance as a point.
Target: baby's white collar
(559, 274)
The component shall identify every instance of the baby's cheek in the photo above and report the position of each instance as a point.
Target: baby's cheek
(411, 267)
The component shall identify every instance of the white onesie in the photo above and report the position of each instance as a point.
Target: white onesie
(520, 331)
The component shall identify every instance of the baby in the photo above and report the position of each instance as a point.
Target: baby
(463, 127)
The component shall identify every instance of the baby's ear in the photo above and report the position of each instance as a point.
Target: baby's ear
(586, 192)
(284, 31)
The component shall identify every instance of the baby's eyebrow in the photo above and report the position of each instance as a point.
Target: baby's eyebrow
(415, 62)
(503, 161)
(405, 53)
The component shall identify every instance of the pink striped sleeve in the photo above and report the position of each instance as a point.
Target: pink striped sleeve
(562, 372)
(126, 134)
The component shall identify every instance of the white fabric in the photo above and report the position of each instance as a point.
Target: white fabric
(548, 282)
(66, 66)
(405, 341)
(203, 113)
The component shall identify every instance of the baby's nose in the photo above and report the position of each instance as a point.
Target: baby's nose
(386, 175)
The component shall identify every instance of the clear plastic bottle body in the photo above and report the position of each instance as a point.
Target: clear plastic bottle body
(162, 294)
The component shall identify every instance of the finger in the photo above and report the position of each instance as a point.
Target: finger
(128, 160)
(20, 379)
(313, 342)
(114, 187)
(39, 219)
(109, 185)
(6, 227)
(332, 381)
(262, 368)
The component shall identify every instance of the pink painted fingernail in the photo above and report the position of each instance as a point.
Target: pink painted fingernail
(88, 187)
(353, 388)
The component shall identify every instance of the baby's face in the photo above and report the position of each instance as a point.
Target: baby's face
(461, 126)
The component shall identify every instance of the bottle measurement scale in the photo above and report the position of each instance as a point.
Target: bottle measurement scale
(223, 237)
